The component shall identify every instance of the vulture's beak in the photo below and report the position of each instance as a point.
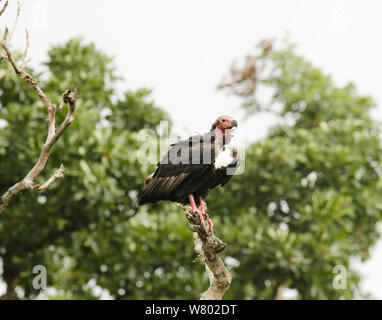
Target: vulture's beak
(234, 124)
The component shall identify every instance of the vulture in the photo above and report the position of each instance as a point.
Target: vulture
(193, 167)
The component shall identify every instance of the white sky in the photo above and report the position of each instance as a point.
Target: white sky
(181, 49)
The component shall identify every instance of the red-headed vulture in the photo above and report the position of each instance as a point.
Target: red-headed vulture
(193, 167)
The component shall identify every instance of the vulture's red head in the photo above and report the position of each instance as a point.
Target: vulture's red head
(223, 126)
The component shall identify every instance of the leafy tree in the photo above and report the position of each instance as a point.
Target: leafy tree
(307, 201)
(81, 229)
(309, 198)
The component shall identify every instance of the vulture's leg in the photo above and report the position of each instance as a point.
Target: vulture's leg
(203, 209)
(195, 208)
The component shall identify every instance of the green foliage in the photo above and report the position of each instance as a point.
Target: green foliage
(84, 221)
(307, 201)
(309, 197)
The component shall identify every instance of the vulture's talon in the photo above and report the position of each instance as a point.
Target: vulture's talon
(200, 214)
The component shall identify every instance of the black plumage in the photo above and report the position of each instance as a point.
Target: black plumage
(190, 167)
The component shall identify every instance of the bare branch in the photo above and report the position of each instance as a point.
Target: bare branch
(52, 121)
(5, 34)
(25, 75)
(4, 7)
(53, 135)
(20, 70)
(25, 61)
(69, 97)
(19, 5)
(57, 175)
(208, 247)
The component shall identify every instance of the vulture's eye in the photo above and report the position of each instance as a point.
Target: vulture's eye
(223, 120)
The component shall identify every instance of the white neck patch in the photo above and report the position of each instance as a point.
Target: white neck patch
(224, 158)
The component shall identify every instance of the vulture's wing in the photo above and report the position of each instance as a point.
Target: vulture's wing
(183, 163)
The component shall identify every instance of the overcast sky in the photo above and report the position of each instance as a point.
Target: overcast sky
(181, 49)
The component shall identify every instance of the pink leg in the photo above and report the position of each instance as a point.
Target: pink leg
(203, 209)
(202, 205)
(211, 224)
(195, 208)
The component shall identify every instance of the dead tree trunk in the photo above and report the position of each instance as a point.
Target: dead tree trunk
(208, 247)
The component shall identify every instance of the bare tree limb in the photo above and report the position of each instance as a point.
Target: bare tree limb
(1, 12)
(19, 5)
(208, 247)
(4, 7)
(24, 75)
(57, 175)
(24, 58)
(69, 98)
